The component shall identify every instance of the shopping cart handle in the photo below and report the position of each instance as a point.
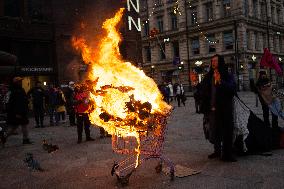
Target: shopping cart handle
(114, 167)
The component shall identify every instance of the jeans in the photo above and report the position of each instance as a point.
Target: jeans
(39, 115)
(83, 121)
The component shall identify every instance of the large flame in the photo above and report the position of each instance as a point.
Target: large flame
(116, 83)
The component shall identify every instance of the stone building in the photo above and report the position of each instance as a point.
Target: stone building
(190, 32)
(27, 33)
(39, 33)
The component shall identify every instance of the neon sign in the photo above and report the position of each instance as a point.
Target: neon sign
(136, 7)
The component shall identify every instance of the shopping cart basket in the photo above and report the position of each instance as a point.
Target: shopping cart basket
(151, 145)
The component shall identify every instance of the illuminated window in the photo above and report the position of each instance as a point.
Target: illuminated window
(211, 43)
(226, 8)
(209, 11)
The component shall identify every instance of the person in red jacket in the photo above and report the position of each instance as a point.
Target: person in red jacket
(82, 109)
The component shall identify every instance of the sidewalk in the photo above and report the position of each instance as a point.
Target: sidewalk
(88, 165)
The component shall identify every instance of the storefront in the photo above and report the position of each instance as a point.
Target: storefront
(46, 75)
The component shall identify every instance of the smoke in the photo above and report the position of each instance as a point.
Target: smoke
(73, 70)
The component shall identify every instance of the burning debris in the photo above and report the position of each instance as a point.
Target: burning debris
(50, 148)
(125, 102)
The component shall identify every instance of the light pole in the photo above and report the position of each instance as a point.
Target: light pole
(187, 45)
(267, 32)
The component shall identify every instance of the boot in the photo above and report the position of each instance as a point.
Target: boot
(89, 139)
(214, 155)
(27, 141)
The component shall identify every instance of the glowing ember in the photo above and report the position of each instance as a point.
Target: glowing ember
(126, 103)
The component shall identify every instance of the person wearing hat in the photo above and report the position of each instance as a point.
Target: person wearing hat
(17, 110)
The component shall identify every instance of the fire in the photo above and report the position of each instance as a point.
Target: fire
(126, 102)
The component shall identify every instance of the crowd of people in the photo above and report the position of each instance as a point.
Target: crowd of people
(53, 102)
(172, 93)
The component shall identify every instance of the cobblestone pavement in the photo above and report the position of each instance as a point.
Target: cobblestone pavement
(88, 165)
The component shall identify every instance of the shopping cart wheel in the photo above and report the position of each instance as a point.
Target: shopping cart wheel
(124, 181)
(159, 168)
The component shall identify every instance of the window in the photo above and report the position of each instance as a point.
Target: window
(195, 45)
(254, 6)
(279, 21)
(148, 53)
(248, 41)
(176, 48)
(211, 43)
(193, 16)
(226, 8)
(209, 11)
(246, 7)
(160, 24)
(162, 51)
(281, 40)
(228, 40)
(265, 40)
(12, 8)
(263, 11)
(174, 21)
(272, 15)
(146, 28)
(256, 41)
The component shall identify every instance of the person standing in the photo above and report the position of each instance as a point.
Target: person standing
(196, 96)
(70, 103)
(38, 99)
(171, 92)
(51, 104)
(60, 106)
(17, 110)
(265, 109)
(180, 94)
(82, 108)
(217, 91)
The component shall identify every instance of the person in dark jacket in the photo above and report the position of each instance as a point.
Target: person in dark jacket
(51, 104)
(196, 96)
(37, 94)
(217, 91)
(263, 80)
(17, 110)
(70, 106)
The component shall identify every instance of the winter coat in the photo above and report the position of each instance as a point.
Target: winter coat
(38, 97)
(61, 105)
(69, 95)
(17, 106)
(222, 118)
(171, 89)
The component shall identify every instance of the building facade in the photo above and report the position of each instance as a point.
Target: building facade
(190, 32)
(27, 32)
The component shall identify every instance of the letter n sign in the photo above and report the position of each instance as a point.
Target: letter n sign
(131, 21)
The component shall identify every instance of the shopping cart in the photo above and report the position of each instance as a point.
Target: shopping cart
(151, 145)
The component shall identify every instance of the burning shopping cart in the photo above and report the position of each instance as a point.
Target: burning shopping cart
(150, 146)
